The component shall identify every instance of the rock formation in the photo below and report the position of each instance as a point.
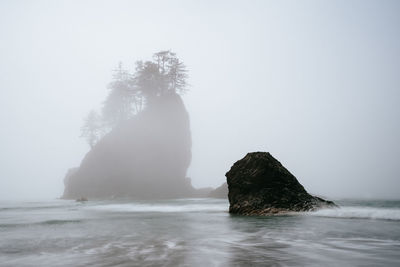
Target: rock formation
(259, 185)
(220, 192)
(146, 157)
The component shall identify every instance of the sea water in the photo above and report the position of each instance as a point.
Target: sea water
(195, 232)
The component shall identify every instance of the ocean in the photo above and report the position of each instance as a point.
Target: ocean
(195, 232)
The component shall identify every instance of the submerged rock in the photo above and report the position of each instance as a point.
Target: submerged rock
(259, 185)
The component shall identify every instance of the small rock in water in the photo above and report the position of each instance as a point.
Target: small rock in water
(82, 199)
(259, 185)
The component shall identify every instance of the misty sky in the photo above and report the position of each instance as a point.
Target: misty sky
(316, 83)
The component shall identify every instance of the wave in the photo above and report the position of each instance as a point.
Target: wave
(160, 208)
(26, 206)
(60, 221)
(357, 212)
(48, 222)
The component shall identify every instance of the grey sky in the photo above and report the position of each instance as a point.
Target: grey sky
(315, 83)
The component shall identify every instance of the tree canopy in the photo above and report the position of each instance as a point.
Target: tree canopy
(91, 128)
(131, 91)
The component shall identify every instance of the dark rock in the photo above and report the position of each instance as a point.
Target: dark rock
(220, 192)
(82, 199)
(259, 185)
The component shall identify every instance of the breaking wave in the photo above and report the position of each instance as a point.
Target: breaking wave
(360, 213)
(144, 207)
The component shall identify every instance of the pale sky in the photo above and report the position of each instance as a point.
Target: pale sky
(316, 83)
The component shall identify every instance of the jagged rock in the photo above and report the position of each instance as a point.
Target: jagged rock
(220, 192)
(259, 185)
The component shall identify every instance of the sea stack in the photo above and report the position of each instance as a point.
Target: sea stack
(145, 158)
(260, 185)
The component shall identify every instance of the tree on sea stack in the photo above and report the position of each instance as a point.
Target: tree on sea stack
(150, 82)
(165, 74)
(173, 70)
(130, 92)
(123, 100)
(91, 128)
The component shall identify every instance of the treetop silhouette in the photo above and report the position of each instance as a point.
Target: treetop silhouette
(130, 92)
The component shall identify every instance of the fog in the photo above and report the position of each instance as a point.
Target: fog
(315, 83)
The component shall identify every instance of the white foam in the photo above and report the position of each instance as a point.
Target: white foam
(136, 207)
(360, 213)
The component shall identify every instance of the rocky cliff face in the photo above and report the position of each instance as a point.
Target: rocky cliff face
(146, 157)
(259, 185)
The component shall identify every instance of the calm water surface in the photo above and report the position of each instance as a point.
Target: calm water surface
(195, 232)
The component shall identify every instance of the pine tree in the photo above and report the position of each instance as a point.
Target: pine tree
(91, 129)
(118, 105)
